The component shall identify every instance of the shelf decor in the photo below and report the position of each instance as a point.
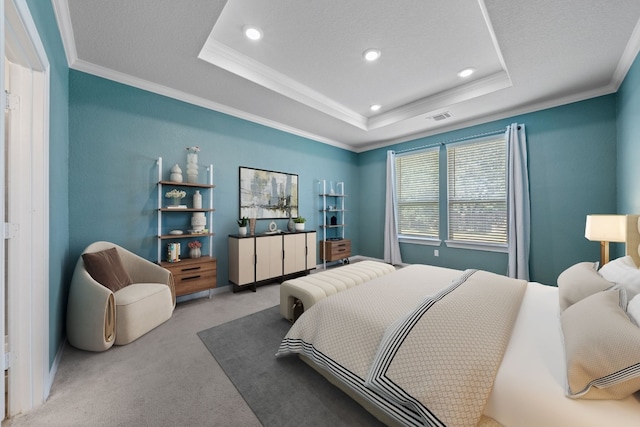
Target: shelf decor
(194, 249)
(176, 196)
(267, 194)
(192, 164)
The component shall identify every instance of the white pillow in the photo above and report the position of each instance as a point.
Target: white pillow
(633, 310)
(623, 271)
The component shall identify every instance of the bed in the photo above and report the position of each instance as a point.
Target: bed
(412, 347)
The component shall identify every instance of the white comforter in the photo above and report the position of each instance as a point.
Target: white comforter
(422, 344)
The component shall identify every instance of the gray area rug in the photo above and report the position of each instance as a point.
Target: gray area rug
(281, 391)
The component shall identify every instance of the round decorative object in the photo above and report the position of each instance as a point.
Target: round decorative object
(176, 232)
(273, 226)
(195, 253)
(176, 174)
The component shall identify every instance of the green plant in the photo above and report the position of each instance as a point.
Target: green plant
(299, 220)
(243, 222)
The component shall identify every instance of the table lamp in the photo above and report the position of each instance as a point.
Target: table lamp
(606, 228)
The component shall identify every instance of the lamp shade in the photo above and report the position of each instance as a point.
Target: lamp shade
(606, 228)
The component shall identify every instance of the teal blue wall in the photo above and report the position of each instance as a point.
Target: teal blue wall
(629, 142)
(59, 260)
(105, 138)
(572, 169)
(116, 134)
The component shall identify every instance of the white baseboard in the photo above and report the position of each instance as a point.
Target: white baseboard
(54, 369)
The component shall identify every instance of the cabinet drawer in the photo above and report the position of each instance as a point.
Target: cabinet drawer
(193, 275)
(333, 250)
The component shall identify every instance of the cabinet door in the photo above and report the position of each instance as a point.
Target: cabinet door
(311, 250)
(268, 257)
(295, 246)
(241, 261)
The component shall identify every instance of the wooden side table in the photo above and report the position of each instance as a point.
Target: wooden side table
(335, 250)
(193, 274)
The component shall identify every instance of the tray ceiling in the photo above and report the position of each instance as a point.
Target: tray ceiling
(307, 75)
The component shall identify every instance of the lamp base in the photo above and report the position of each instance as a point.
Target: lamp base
(604, 253)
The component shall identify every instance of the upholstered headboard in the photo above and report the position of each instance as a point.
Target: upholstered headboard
(632, 247)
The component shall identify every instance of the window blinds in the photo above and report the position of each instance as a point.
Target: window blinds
(477, 191)
(417, 193)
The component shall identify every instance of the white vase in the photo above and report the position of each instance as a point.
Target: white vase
(176, 174)
(299, 226)
(198, 222)
(242, 231)
(192, 166)
(197, 200)
(195, 252)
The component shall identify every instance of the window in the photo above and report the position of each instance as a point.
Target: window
(477, 191)
(417, 193)
(475, 194)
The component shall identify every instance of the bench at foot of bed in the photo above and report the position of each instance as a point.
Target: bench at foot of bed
(297, 295)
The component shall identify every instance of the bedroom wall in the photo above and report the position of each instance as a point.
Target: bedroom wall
(42, 13)
(572, 172)
(116, 134)
(628, 173)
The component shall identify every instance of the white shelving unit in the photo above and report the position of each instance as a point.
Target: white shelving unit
(191, 274)
(333, 246)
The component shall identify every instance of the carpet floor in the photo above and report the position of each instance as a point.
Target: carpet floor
(281, 391)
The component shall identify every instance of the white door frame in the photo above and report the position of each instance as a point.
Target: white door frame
(28, 210)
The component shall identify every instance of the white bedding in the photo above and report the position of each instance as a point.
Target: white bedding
(529, 389)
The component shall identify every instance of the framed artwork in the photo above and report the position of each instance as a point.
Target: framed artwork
(267, 194)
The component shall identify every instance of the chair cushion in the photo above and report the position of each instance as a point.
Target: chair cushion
(140, 307)
(106, 268)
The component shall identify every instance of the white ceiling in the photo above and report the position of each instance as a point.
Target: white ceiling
(307, 75)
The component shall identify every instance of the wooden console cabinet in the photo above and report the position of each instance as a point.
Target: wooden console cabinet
(193, 274)
(254, 260)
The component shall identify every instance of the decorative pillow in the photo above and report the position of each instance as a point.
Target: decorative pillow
(633, 310)
(107, 269)
(602, 348)
(578, 282)
(623, 271)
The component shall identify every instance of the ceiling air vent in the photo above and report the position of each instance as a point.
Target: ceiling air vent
(441, 116)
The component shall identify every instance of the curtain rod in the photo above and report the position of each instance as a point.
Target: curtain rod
(453, 140)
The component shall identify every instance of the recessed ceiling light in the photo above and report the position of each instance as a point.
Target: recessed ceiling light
(252, 33)
(466, 72)
(375, 107)
(371, 54)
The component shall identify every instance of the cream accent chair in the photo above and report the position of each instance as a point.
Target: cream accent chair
(97, 318)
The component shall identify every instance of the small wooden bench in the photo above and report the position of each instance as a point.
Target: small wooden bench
(297, 295)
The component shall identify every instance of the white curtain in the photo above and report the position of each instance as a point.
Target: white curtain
(518, 202)
(391, 245)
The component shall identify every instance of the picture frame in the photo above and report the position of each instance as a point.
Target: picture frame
(266, 194)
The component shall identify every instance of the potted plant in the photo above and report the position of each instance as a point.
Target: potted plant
(242, 225)
(299, 223)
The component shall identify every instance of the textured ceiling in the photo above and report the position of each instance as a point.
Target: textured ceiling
(307, 75)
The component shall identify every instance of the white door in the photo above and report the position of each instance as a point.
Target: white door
(25, 210)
